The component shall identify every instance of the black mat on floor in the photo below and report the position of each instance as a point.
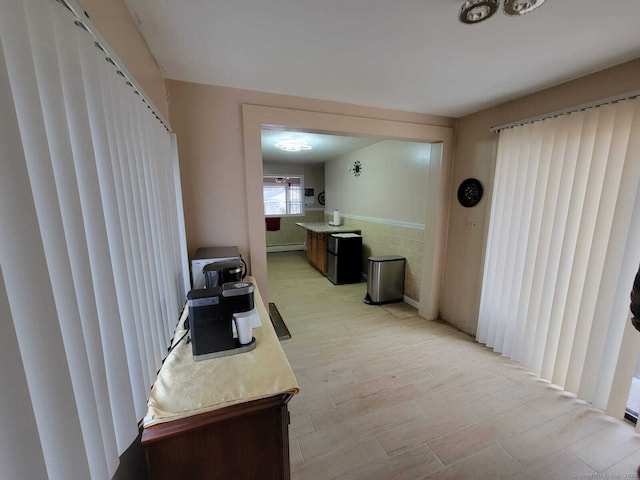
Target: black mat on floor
(278, 324)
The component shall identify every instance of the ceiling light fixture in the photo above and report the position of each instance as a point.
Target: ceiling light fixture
(293, 145)
(476, 11)
(520, 7)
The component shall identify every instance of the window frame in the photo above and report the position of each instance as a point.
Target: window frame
(288, 201)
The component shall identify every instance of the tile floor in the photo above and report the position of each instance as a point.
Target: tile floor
(388, 395)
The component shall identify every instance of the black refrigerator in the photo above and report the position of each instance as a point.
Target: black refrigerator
(344, 258)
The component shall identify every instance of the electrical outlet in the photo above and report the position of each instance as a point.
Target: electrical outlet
(472, 223)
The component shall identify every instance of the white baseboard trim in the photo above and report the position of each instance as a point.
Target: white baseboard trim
(411, 301)
(286, 248)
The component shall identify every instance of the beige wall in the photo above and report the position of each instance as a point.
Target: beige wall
(115, 24)
(208, 121)
(390, 191)
(387, 239)
(390, 187)
(475, 156)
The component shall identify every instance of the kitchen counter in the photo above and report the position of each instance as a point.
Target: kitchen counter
(319, 227)
(317, 233)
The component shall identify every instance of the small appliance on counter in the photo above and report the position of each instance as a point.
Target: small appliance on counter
(212, 313)
(205, 256)
(336, 220)
(217, 274)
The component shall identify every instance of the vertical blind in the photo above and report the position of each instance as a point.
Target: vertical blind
(92, 259)
(564, 246)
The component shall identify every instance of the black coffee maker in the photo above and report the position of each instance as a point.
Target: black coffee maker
(217, 274)
(211, 312)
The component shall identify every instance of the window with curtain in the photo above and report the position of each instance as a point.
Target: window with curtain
(563, 247)
(92, 251)
(283, 195)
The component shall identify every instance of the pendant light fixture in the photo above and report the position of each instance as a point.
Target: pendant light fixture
(476, 11)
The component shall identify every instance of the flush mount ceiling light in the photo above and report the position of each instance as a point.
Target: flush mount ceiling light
(476, 11)
(520, 7)
(293, 145)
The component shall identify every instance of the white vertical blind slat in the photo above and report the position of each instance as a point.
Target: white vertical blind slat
(83, 369)
(562, 244)
(147, 286)
(528, 167)
(515, 258)
(17, 420)
(535, 332)
(135, 229)
(572, 275)
(109, 344)
(104, 151)
(91, 245)
(115, 332)
(554, 220)
(149, 216)
(154, 159)
(22, 254)
(181, 233)
(603, 261)
(111, 91)
(504, 264)
(629, 215)
(573, 262)
(596, 240)
(489, 306)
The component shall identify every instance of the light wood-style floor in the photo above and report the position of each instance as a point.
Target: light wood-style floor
(388, 395)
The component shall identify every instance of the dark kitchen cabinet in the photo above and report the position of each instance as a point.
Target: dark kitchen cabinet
(317, 250)
(321, 254)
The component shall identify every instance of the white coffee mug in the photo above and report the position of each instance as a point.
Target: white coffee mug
(243, 326)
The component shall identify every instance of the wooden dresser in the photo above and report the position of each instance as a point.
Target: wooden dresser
(225, 418)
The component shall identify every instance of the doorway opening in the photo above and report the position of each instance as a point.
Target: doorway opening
(256, 118)
(378, 185)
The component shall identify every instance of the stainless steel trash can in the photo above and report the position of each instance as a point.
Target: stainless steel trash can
(385, 280)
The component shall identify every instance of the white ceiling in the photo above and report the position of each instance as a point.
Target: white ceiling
(410, 55)
(324, 147)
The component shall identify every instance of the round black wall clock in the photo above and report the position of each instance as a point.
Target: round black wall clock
(470, 192)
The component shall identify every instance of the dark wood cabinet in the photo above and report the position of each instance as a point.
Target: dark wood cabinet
(247, 441)
(317, 250)
(321, 255)
(317, 237)
(313, 248)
